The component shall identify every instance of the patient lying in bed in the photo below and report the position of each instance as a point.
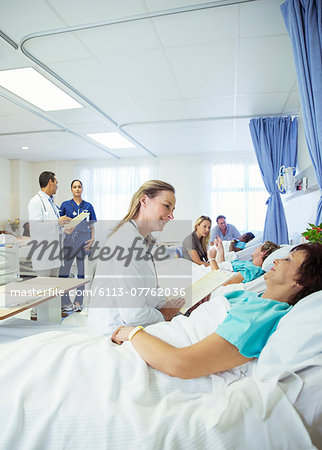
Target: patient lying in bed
(246, 270)
(115, 398)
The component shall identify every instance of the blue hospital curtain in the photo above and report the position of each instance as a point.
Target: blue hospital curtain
(303, 19)
(275, 144)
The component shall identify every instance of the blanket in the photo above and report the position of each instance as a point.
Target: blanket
(66, 388)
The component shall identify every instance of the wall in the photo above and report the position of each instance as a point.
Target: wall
(21, 188)
(5, 191)
(300, 207)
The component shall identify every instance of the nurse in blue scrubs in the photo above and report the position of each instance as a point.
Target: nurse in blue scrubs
(77, 244)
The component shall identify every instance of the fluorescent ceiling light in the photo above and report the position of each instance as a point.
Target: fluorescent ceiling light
(111, 140)
(33, 87)
(24, 147)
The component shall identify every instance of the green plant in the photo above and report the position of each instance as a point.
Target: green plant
(14, 224)
(313, 234)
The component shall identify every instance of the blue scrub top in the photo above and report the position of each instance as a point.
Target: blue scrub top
(240, 244)
(250, 321)
(70, 208)
(248, 270)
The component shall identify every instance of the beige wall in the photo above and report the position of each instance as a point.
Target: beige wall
(300, 207)
(5, 190)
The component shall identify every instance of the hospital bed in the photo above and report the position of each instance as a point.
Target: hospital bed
(70, 389)
(62, 387)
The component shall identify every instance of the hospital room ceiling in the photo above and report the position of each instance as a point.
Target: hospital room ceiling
(175, 77)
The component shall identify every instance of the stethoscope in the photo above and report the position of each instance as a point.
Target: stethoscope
(56, 210)
(151, 256)
(79, 209)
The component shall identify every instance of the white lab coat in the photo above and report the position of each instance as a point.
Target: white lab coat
(128, 307)
(44, 227)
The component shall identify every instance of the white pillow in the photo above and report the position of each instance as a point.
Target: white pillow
(277, 254)
(258, 239)
(296, 341)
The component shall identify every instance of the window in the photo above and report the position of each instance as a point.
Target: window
(110, 188)
(238, 192)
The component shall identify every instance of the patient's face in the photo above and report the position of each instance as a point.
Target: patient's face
(284, 271)
(257, 256)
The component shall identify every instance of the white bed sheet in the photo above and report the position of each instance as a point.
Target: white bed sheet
(70, 389)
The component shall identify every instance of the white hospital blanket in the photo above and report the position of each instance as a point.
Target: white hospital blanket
(73, 390)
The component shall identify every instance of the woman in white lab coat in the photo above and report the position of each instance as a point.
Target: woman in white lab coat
(125, 288)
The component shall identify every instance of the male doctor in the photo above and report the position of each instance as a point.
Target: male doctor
(46, 226)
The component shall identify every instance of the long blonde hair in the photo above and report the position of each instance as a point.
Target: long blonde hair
(204, 240)
(150, 188)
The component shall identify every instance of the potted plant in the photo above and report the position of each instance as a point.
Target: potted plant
(314, 233)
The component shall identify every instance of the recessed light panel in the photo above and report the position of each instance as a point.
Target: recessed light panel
(33, 87)
(112, 140)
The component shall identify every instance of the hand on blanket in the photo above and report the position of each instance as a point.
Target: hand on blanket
(121, 334)
(172, 307)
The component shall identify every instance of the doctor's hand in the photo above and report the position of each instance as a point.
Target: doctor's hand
(68, 230)
(63, 220)
(88, 244)
(121, 334)
(172, 307)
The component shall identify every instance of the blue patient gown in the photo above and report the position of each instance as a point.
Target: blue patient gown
(250, 321)
(248, 270)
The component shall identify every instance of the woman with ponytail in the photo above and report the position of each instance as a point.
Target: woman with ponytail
(125, 288)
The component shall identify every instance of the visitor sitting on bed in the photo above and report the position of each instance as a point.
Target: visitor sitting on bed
(246, 270)
(247, 326)
(237, 245)
(195, 245)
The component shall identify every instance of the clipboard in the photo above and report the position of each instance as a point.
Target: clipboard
(205, 286)
(76, 220)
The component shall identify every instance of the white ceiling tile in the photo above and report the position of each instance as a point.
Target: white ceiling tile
(60, 47)
(20, 18)
(156, 79)
(163, 110)
(91, 127)
(70, 116)
(49, 146)
(252, 104)
(198, 27)
(130, 152)
(7, 107)
(211, 107)
(124, 37)
(142, 75)
(77, 12)
(265, 65)
(11, 58)
(94, 81)
(261, 18)
(159, 5)
(30, 121)
(189, 137)
(204, 70)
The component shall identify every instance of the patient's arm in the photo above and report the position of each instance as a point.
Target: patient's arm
(220, 250)
(195, 258)
(237, 279)
(211, 355)
(211, 254)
